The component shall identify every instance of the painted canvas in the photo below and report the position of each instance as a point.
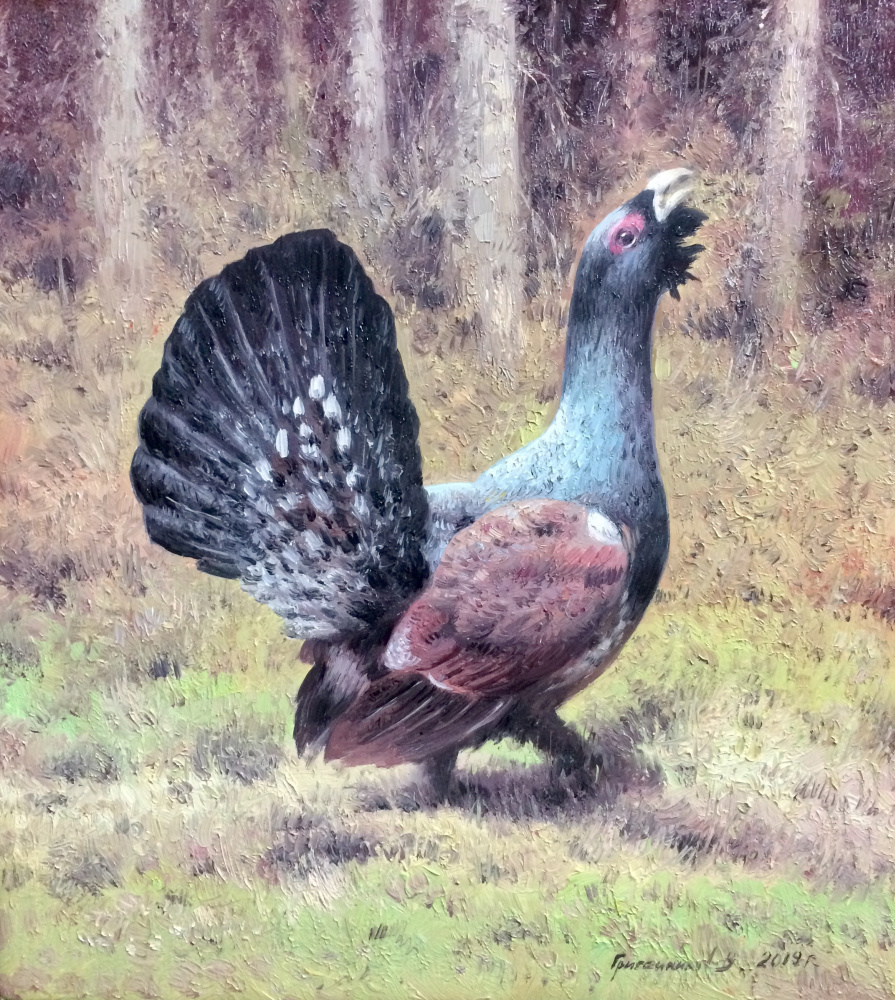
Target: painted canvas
(446, 499)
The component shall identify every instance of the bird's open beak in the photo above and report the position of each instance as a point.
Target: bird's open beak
(669, 188)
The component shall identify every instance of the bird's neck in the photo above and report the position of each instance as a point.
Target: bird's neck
(607, 401)
(605, 356)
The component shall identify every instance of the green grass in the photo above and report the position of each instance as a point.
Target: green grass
(763, 831)
(540, 927)
(158, 838)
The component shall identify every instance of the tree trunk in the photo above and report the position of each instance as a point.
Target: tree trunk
(121, 131)
(639, 37)
(782, 197)
(368, 158)
(294, 83)
(484, 182)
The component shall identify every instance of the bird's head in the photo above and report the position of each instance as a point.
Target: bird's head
(638, 252)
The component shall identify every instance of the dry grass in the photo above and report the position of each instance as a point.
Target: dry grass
(159, 839)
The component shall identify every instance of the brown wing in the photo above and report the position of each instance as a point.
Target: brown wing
(518, 596)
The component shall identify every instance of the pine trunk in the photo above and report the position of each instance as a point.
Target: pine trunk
(121, 132)
(367, 167)
(484, 180)
(638, 32)
(786, 164)
(294, 80)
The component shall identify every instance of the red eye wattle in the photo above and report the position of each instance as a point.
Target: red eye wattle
(626, 233)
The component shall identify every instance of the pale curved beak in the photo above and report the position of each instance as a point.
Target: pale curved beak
(669, 188)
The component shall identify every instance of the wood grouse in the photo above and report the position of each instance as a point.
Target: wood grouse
(279, 447)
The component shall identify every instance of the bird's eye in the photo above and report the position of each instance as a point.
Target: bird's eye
(627, 233)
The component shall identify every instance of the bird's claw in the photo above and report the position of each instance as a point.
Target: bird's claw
(579, 773)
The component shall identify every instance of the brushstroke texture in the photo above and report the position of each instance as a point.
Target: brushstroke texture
(280, 447)
(160, 838)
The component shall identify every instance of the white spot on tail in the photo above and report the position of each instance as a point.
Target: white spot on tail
(313, 543)
(282, 443)
(321, 501)
(304, 430)
(289, 502)
(298, 406)
(264, 469)
(331, 407)
(343, 439)
(317, 388)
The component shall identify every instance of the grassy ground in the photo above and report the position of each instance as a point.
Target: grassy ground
(160, 840)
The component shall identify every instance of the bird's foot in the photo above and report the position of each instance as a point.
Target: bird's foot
(575, 763)
(440, 771)
(577, 774)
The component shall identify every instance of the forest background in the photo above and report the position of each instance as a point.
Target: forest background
(158, 837)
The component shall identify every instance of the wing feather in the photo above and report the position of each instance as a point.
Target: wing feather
(404, 718)
(518, 596)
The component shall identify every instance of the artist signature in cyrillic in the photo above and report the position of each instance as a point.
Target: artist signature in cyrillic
(714, 963)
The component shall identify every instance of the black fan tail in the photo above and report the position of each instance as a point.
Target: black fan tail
(280, 442)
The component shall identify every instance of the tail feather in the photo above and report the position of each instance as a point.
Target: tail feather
(280, 443)
(404, 718)
(339, 676)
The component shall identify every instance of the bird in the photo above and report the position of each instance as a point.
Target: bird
(280, 447)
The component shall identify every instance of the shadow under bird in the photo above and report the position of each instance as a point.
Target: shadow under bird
(280, 447)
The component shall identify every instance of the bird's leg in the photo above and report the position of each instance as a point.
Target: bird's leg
(439, 770)
(569, 751)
